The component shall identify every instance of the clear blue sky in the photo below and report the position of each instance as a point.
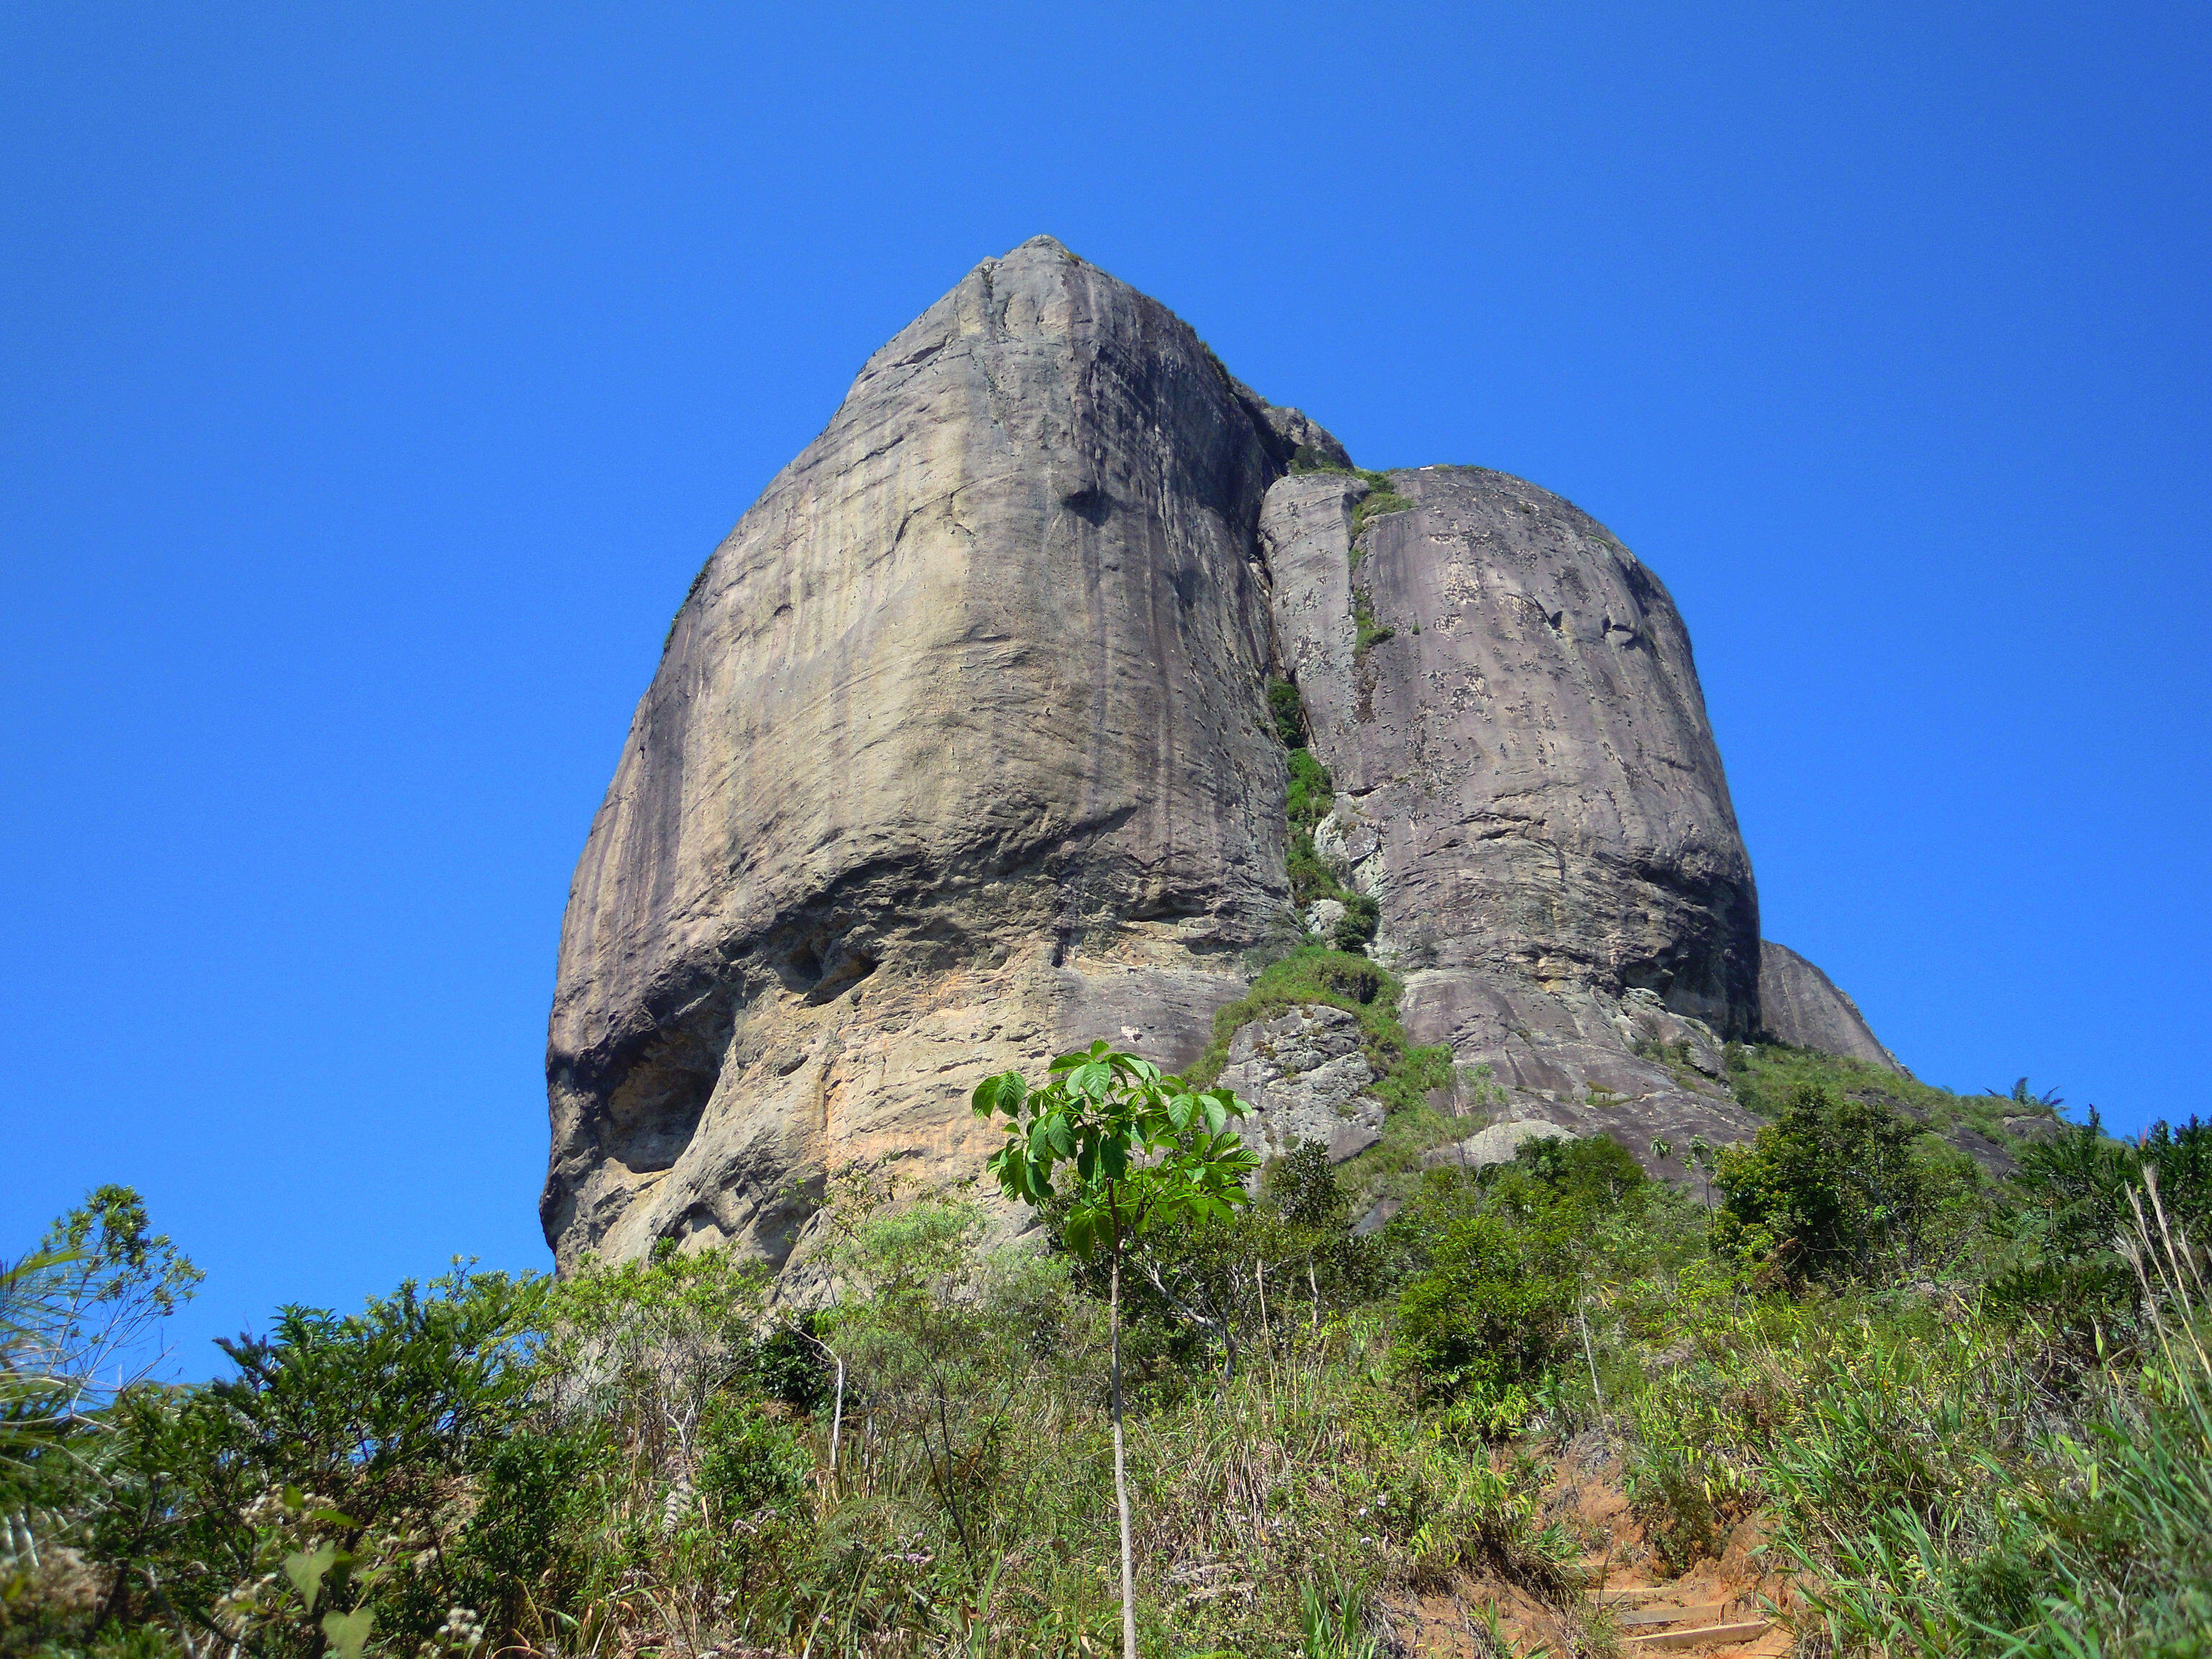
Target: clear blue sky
(372, 380)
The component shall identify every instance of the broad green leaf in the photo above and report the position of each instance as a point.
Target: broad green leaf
(1091, 1079)
(306, 1571)
(349, 1631)
(1217, 1118)
(1003, 1092)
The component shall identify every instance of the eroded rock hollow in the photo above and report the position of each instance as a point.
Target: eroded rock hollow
(960, 754)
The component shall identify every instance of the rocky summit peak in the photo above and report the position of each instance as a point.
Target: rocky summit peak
(961, 752)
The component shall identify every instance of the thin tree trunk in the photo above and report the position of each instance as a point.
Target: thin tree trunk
(1313, 1289)
(1120, 1467)
(1266, 1336)
(836, 1417)
(1589, 1355)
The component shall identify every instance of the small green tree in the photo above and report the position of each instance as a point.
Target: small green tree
(1148, 1150)
(77, 1317)
(1844, 1188)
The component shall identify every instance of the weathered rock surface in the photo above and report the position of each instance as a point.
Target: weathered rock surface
(1305, 1073)
(1803, 1007)
(958, 753)
(1529, 746)
(1528, 785)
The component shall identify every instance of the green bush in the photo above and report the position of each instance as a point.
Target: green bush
(526, 1539)
(1668, 1487)
(1845, 1188)
(1312, 792)
(1356, 931)
(1367, 633)
(750, 1463)
(1379, 500)
(1488, 1316)
(1289, 711)
(788, 1364)
(1593, 1175)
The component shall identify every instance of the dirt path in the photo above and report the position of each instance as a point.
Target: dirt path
(1718, 1607)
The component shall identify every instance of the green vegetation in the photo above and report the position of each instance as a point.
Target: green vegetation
(1970, 1416)
(1848, 1189)
(1314, 975)
(1380, 499)
(1368, 633)
(1770, 1074)
(1289, 711)
(73, 1314)
(1312, 795)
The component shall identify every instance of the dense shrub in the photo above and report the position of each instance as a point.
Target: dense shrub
(1486, 1318)
(1842, 1189)
(641, 1457)
(751, 1464)
(1289, 713)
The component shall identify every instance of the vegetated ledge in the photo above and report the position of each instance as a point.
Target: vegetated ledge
(1368, 992)
(1379, 500)
(1309, 800)
(1991, 1128)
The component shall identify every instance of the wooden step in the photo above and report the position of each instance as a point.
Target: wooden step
(1701, 1636)
(1710, 1613)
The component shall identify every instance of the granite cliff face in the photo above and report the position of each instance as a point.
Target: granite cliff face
(959, 754)
(1526, 783)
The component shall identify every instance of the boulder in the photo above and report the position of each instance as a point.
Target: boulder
(1498, 1143)
(1322, 916)
(1305, 1072)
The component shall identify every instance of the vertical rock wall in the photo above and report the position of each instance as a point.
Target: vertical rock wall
(1526, 783)
(959, 750)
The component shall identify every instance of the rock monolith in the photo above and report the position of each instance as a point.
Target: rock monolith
(959, 754)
